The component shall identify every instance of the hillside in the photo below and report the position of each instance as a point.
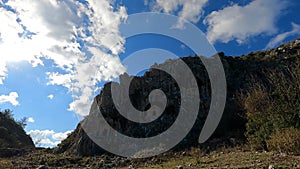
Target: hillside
(13, 138)
(245, 76)
(260, 127)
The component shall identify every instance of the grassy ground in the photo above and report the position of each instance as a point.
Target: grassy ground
(195, 158)
(233, 159)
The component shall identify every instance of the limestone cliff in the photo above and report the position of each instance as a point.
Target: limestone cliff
(240, 73)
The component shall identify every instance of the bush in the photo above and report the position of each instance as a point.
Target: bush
(272, 105)
(258, 128)
(285, 141)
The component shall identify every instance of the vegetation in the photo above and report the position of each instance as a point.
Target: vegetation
(12, 132)
(273, 107)
(22, 122)
(286, 141)
(238, 157)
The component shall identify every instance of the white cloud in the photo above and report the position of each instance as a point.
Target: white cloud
(56, 78)
(281, 37)
(47, 138)
(60, 136)
(192, 10)
(51, 32)
(55, 30)
(9, 30)
(241, 22)
(82, 104)
(11, 98)
(3, 72)
(31, 120)
(51, 96)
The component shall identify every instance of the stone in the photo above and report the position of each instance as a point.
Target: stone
(239, 73)
(233, 141)
(42, 167)
(180, 167)
(131, 167)
(271, 167)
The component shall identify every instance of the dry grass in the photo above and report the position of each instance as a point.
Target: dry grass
(229, 159)
(287, 141)
(239, 157)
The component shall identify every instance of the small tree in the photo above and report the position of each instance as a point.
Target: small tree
(8, 114)
(23, 122)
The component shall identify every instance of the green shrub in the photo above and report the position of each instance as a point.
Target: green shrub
(258, 128)
(285, 141)
(271, 105)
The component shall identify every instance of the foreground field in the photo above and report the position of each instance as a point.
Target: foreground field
(195, 158)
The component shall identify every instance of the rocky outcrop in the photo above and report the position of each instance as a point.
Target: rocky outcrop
(240, 73)
(79, 143)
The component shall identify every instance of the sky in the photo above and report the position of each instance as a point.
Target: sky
(57, 54)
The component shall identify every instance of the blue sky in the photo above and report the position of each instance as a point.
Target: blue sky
(51, 50)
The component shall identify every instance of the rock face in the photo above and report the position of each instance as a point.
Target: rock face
(79, 143)
(13, 139)
(240, 73)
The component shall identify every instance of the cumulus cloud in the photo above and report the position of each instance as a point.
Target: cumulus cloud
(190, 10)
(10, 98)
(281, 37)
(56, 78)
(51, 96)
(36, 34)
(47, 138)
(9, 30)
(31, 120)
(82, 39)
(241, 22)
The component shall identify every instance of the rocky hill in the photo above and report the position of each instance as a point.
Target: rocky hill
(13, 138)
(241, 73)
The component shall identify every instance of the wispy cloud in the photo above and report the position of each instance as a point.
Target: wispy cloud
(242, 22)
(281, 37)
(47, 138)
(82, 39)
(190, 10)
(10, 98)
